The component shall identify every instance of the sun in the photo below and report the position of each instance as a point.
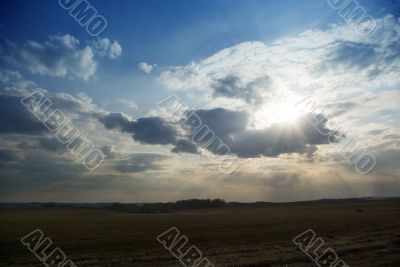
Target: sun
(285, 113)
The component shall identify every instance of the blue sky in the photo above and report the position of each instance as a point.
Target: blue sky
(168, 33)
(243, 65)
(154, 29)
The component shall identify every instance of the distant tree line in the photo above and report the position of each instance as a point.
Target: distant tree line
(188, 204)
(199, 204)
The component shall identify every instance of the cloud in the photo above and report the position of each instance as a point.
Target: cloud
(60, 56)
(27, 132)
(38, 169)
(140, 162)
(340, 108)
(132, 162)
(277, 139)
(388, 160)
(352, 55)
(391, 137)
(127, 103)
(274, 179)
(7, 155)
(232, 86)
(326, 63)
(373, 54)
(21, 121)
(224, 122)
(147, 68)
(7, 76)
(233, 72)
(185, 146)
(9, 158)
(108, 151)
(232, 128)
(354, 77)
(44, 143)
(150, 130)
(108, 48)
(13, 88)
(51, 144)
(115, 50)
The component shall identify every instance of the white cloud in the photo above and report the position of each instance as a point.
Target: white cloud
(147, 68)
(331, 65)
(60, 56)
(298, 59)
(355, 76)
(115, 50)
(107, 48)
(127, 103)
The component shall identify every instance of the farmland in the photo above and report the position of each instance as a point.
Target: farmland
(363, 233)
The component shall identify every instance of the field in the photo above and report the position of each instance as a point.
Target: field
(363, 233)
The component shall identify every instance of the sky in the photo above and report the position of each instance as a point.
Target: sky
(241, 100)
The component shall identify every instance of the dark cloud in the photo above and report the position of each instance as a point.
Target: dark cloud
(16, 118)
(279, 138)
(7, 155)
(151, 130)
(140, 162)
(25, 145)
(232, 86)
(231, 129)
(223, 121)
(137, 162)
(51, 144)
(115, 121)
(108, 151)
(38, 170)
(185, 146)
